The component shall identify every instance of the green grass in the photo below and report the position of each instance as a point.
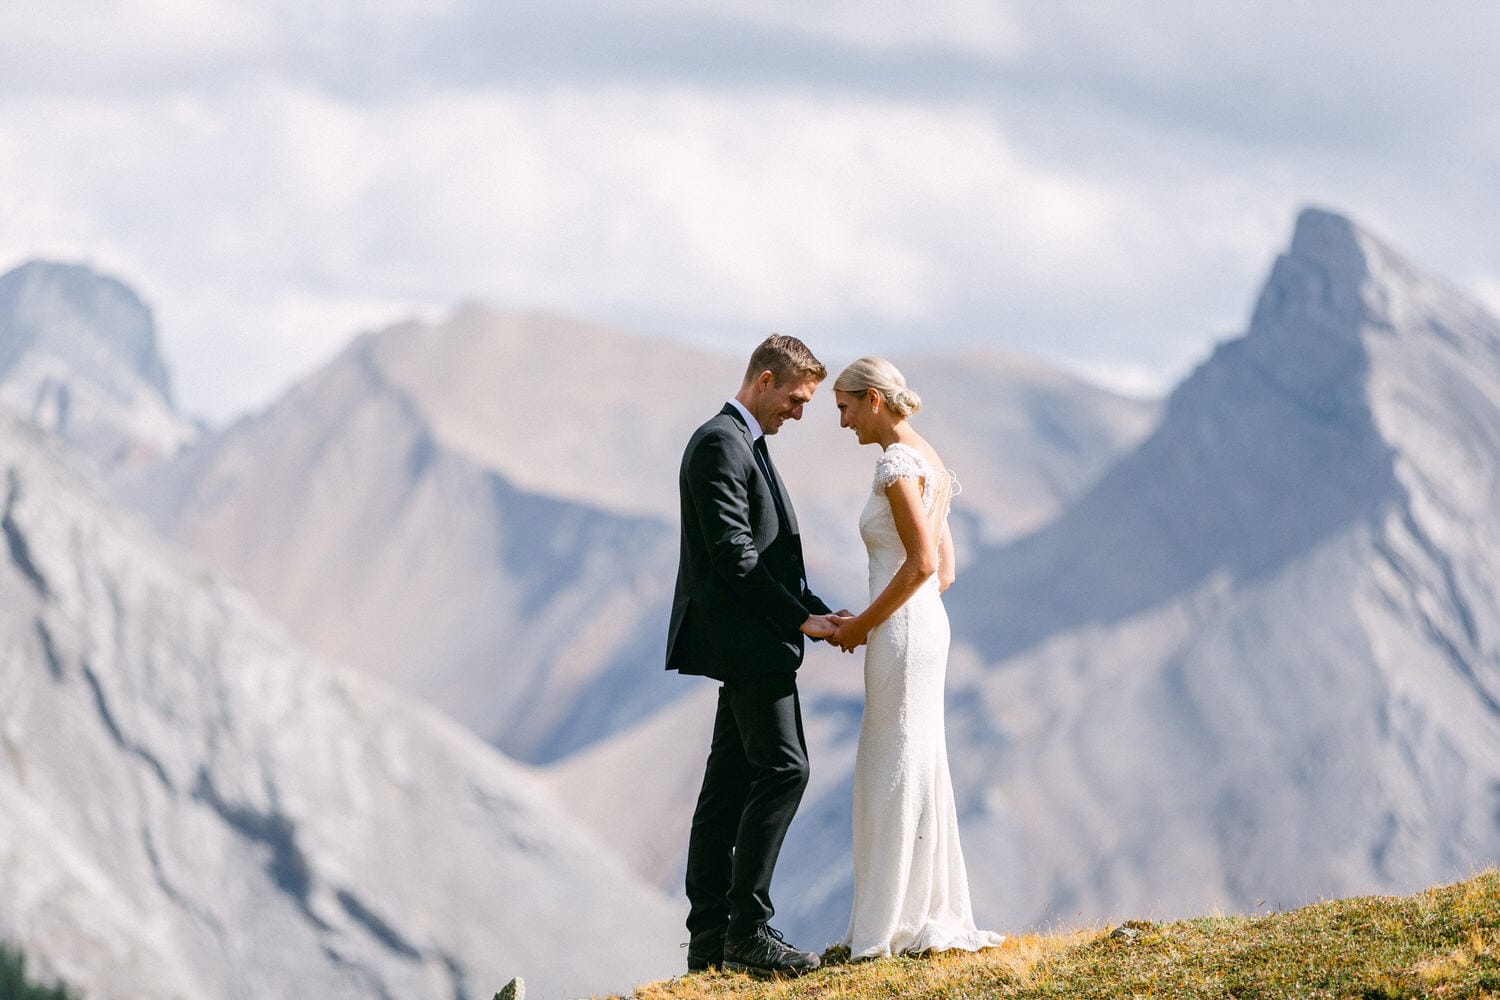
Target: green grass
(1444, 942)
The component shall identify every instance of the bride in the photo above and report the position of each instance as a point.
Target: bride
(911, 891)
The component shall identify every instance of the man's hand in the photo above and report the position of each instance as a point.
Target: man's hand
(818, 627)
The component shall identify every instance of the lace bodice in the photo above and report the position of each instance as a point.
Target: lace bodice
(877, 525)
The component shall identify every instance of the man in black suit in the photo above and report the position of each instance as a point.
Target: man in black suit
(739, 615)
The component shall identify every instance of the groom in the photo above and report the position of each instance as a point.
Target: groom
(739, 615)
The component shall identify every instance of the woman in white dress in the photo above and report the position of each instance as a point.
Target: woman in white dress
(911, 890)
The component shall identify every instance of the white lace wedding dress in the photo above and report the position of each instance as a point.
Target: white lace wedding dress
(911, 890)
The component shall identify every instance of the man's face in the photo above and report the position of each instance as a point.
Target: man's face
(778, 403)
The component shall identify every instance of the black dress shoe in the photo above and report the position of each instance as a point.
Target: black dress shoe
(766, 953)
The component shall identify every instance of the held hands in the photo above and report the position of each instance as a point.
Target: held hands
(848, 634)
(819, 627)
(841, 628)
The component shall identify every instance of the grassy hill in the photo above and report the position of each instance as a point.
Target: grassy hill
(1444, 942)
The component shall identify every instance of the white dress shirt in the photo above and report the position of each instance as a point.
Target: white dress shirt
(755, 432)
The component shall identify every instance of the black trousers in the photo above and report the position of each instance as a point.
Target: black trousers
(756, 773)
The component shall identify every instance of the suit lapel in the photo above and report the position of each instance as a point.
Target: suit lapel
(739, 421)
(773, 479)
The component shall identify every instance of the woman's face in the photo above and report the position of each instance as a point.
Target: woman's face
(857, 413)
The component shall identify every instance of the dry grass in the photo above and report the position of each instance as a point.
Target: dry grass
(1020, 961)
(1443, 943)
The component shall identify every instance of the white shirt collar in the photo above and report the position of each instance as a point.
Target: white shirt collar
(755, 432)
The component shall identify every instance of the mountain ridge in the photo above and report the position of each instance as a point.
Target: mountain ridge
(402, 556)
(1316, 654)
(426, 445)
(195, 808)
(1301, 365)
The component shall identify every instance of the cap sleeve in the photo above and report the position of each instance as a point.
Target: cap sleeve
(899, 461)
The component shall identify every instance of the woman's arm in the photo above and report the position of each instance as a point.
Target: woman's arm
(920, 563)
(947, 559)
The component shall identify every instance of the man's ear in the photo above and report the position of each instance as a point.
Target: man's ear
(766, 380)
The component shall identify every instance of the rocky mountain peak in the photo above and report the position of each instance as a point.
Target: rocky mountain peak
(1269, 448)
(1333, 272)
(1361, 381)
(1336, 284)
(87, 318)
(78, 359)
(1305, 330)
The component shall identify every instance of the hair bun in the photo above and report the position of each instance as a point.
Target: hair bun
(879, 374)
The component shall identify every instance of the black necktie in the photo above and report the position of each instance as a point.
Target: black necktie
(764, 458)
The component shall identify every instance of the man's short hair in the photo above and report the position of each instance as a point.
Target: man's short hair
(786, 358)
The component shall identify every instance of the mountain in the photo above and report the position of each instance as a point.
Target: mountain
(1264, 645)
(79, 357)
(1026, 438)
(194, 808)
(1237, 652)
(483, 510)
(379, 543)
(1256, 661)
(605, 414)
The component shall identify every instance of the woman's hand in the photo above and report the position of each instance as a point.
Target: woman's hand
(849, 633)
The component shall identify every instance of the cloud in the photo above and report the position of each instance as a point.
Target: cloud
(700, 213)
(1102, 186)
(683, 210)
(91, 47)
(985, 29)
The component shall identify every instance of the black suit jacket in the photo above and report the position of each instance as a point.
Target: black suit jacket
(741, 594)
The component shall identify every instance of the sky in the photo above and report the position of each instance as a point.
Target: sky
(1100, 184)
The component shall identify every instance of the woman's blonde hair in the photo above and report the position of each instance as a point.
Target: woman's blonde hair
(882, 376)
